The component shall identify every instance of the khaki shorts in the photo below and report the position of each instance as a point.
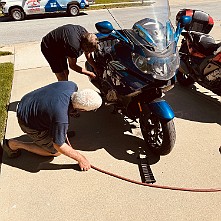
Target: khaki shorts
(41, 138)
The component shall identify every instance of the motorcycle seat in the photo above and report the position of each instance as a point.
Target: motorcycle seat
(204, 43)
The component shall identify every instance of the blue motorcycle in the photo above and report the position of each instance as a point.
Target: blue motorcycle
(139, 65)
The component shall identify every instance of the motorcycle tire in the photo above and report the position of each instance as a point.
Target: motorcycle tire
(184, 79)
(159, 134)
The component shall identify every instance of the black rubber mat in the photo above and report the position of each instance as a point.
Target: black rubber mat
(145, 170)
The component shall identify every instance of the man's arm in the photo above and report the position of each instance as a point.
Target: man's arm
(70, 152)
(91, 61)
(73, 65)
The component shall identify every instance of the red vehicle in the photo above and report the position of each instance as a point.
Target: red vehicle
(200, 55)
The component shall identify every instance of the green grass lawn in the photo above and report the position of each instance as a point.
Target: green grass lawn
(115, 5)
(6, 77)
(4, 53)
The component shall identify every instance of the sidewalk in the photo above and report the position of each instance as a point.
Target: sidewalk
(38, 188)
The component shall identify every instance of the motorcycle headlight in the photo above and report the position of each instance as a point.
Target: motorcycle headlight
(141, 63)
(165, 68)
(160, 68)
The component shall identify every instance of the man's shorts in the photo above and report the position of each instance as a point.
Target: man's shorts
(41, 138)
(56, 60)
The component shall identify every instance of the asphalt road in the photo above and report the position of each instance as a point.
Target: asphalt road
(35, 27)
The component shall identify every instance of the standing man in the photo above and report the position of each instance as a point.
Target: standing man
(43, 115)
(67, 43)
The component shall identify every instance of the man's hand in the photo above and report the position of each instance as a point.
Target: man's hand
(73, 65)
(99, 70)
(84, 164)
(72, 153)
(91, 75)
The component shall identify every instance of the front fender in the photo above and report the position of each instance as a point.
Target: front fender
(162, 109)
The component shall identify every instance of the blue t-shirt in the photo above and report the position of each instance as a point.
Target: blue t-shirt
(47, 109)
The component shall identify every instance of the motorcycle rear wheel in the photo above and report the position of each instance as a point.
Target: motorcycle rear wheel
(184, 79)
(159, 134)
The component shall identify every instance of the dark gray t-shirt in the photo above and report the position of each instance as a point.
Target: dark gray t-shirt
(65, 40)
(47, 109)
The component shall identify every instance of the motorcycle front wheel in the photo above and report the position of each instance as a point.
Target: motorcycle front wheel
(159, 134)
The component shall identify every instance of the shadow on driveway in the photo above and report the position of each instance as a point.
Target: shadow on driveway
(34, 163)
(190, 104)
(114, 133)
(94, 130)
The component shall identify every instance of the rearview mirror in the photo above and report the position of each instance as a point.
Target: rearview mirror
(185, 20)
(104, 27)
(181, 23)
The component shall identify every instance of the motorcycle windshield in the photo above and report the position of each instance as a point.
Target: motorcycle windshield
(155, 33)
(149, 30)
(151, 22)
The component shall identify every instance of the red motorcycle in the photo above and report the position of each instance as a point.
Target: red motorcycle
(200, 55)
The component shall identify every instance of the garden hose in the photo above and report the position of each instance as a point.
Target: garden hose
(154, 185)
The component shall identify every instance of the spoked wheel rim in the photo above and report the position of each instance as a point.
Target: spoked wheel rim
(159, 134)
(154, 132)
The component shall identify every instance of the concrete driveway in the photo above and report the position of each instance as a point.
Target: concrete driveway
(38, 188)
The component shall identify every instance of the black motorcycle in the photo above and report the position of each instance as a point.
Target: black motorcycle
(200, 55)
(138, 65)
